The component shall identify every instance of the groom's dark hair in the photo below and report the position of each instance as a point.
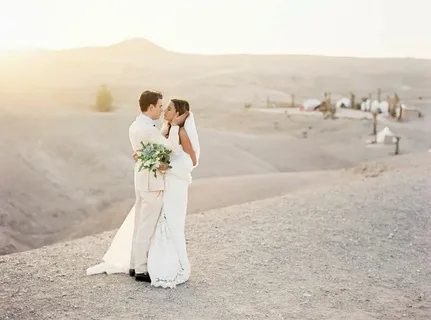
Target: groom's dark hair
(148, 98)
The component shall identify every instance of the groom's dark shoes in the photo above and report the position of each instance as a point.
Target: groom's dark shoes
(144, 277)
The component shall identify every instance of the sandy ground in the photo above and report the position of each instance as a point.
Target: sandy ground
(65, 171)
(70, 175)
(357, 250)
(341, 113)
(346, 236)
(205, 195)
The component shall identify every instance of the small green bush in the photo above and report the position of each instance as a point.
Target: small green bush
(104, 99)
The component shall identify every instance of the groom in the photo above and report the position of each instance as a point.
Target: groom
(148, 189)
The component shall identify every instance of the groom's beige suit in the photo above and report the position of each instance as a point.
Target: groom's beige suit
(148, 189)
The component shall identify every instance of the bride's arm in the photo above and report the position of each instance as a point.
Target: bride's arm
(187, 145)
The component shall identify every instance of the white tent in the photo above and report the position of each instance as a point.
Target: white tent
(344, 101)
(385, 136)
(310, 104)
(366, 106)
(375, 106)
(384, 107)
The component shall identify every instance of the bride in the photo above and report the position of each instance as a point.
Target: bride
(168, 263)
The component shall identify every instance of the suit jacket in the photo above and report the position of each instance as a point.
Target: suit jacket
(143, 129)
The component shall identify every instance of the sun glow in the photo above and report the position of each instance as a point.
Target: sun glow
(330, 27)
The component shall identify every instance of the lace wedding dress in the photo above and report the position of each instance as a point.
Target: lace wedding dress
(168, 263)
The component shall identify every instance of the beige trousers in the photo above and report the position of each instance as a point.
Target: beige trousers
(148, 207)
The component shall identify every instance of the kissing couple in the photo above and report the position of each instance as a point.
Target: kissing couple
(150, 244)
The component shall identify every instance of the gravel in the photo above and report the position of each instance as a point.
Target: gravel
(358, 250)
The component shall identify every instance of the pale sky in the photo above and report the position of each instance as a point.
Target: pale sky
(377, 28)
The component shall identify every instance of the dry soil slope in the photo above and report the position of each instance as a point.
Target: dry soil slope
(357, 250)
(212, 193)
(58, 171)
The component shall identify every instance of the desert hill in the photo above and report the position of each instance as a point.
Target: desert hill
(67, 176)
(69, 78)
(65, 171)
(290, 216)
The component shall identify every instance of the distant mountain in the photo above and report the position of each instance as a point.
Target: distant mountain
(128, 49)
(72, 76)
(132, 49)
(136, 44)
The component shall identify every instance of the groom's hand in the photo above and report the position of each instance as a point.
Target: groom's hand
(179, 120)
(135, 156)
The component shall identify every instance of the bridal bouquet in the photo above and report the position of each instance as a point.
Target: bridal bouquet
(152, 156)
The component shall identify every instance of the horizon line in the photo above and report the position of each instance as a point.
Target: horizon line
(29, 49)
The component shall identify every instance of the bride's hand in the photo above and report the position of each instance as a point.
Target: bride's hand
(135, 156)
(163, 168)
(179, 120)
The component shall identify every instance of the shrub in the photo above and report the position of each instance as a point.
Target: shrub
(104, 99)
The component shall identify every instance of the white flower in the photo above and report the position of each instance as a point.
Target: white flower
(147, 163)
(152, 156)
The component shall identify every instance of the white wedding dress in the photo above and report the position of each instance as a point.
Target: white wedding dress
(168, 263)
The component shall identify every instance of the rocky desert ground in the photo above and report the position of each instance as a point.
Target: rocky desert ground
(291, 216)
(358, 249)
